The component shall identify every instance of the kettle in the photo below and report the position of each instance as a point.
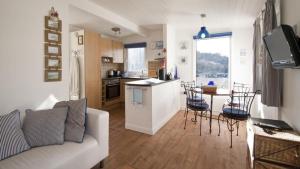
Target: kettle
(110, 73)
(118, 73)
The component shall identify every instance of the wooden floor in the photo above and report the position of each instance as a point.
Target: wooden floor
(173, 147)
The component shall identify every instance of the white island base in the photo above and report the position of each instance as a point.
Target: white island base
(157, 104)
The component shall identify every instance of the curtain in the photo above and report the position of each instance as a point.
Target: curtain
(257, 63)
(271, 78)
(136, 59)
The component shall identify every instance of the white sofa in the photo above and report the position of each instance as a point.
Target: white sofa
(70, 155)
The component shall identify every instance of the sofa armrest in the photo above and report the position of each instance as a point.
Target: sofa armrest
(98, 127)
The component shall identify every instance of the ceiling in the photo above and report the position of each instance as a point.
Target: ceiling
(221, 14)
(80, 19)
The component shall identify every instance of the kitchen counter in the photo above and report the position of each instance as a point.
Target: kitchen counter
(130, 77)
(150, 104)
(148, 82)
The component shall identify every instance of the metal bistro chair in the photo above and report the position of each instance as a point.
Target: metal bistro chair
(187, 86)
(238, 110)
(195, 105)
(239, 88)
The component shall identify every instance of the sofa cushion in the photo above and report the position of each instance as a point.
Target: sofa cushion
(12, 140)
(70, 155)
(45, 127)
(75, 123)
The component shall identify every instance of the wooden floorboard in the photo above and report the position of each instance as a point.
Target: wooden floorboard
(173, 147)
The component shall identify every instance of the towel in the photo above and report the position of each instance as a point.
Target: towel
(137, 96)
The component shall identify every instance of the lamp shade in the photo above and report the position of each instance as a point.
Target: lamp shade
(203, 33)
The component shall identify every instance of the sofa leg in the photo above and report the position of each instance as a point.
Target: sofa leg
(101, 164)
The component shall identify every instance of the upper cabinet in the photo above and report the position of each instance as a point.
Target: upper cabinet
(113, 49)
(117, 52)
(106, 47)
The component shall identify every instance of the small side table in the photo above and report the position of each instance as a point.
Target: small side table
(278, 151)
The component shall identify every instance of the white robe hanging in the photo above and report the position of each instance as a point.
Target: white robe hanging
(75, 78)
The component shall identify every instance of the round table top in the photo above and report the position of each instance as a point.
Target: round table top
(220, 92)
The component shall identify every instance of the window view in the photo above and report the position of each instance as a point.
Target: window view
(212, 61)
(136, 59)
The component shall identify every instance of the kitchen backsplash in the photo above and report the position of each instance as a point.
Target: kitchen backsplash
(108, 66)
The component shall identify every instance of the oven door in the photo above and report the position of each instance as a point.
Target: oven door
(112, 91)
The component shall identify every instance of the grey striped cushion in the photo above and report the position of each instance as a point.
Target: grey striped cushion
(45, 127)
(12, 140)
(75, 123)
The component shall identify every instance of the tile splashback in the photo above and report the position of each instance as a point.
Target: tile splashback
(108, 66)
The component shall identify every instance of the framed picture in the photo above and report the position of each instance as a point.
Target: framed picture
(52, 62)
(52, 24)
(80, 40)
(159, 44)
(52, 49)
(52, 75)
(52, 37)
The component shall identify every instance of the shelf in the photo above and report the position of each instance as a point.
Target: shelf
(106, 59)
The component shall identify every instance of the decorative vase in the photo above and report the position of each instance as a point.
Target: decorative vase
(176, 73)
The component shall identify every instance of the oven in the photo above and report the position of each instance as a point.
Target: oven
(112, 88)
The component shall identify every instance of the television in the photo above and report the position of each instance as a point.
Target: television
(283, 47)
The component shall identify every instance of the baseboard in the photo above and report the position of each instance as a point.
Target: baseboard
(182, 108)
(139, 129)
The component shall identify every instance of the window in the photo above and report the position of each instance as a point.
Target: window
(136, 59)
(212, 61)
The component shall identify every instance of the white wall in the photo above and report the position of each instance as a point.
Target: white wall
(242, 65)
(22, 54)
(184, 70)
(73, 47)
(169, 43)
(290, 110)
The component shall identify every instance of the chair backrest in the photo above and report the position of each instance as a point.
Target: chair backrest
(242, 101)
(192, 91)
(188, 85)
(241, 87)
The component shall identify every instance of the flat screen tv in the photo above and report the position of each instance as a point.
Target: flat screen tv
(283, 47)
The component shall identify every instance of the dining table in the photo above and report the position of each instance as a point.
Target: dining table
(219, 92)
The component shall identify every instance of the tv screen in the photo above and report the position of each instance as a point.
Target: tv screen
(282, 45)
(278, 46)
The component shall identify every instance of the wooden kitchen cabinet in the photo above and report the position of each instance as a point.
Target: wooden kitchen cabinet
(122, 89)
(106, 47)
(92, 71)
(117, 52)
(113, 49)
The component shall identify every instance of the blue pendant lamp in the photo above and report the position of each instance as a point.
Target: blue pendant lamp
(203, 33)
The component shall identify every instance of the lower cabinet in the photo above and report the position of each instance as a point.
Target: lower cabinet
(122, 89)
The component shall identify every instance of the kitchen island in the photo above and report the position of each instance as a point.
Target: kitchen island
(150, 104)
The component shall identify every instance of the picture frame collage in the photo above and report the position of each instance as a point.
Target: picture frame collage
(53, 49)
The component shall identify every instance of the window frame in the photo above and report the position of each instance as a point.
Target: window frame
(127, 62)
(214, 36)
